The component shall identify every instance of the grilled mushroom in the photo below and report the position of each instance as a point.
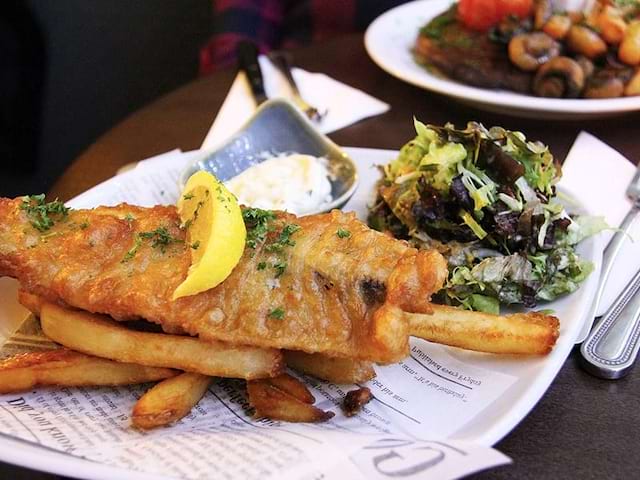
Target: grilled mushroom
(633, 87)
(611, 25)
(629, 51)
(509, 27)
(587, 65)
(541, 13)
(558, 26)
(559, 77)
(583, 40)
(604, 85)
(530, 50)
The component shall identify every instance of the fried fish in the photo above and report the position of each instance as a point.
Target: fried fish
(322, 283)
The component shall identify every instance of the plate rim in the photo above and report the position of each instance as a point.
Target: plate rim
(479, 96)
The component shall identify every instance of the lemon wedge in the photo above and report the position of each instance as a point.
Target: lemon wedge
(215, 232)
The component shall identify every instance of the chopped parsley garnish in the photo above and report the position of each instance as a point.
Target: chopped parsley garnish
(195, 245)
(221, 198)
(257, 222)
(43, 215)
(84, 225)
(280, 267)
(188, 196)
(343, 233)
(132, 252)
(197, 210)
(284, 239)
(436, 27)
(160, 238)
(277, 313)
(129, 218)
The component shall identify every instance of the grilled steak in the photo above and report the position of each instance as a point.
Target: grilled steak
(468, 56)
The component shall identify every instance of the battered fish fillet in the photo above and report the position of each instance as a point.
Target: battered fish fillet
(317, 292)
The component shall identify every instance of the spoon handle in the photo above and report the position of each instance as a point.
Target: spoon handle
(612, 346)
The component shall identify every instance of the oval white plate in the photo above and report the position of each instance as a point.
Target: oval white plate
(533, 374)
(390, 39)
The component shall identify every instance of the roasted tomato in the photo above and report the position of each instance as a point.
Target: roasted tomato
(478, 14)
(520, 8)
(484, 14)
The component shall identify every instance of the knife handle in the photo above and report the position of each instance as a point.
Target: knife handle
(248, 62)
(611, 348)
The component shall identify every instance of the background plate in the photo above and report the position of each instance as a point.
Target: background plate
(390, 38)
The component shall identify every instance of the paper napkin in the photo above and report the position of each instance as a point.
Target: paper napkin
(344, 104)
(599, 175)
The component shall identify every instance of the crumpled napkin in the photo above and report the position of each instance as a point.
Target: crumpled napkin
(599, 175)
(344, 104)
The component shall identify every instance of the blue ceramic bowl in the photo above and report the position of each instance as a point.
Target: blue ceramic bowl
(278, 128)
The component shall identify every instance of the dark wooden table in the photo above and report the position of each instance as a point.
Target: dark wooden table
(583, 427)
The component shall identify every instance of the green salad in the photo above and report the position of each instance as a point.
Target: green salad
(486, 199)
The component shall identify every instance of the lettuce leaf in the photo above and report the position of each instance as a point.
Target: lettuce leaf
(583, 227)
(472, 191)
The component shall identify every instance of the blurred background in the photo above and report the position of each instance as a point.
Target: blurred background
(72, 69)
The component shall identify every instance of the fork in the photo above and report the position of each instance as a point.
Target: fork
(612, 346)
(613, 249)
(281, 61)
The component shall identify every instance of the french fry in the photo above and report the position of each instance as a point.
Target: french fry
(169, 400)
(521, 333)
(293, 387)
(332, 369)
(100, 336)
(277, 399)
(72, 369)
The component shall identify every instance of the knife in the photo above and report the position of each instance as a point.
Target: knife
(247, 54)
(612, 346)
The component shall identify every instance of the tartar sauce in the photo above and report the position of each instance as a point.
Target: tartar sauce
(296, 183)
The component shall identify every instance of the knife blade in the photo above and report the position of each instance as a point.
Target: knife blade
(247, 54)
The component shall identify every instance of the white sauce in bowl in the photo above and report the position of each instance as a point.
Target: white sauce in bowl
(296, 183)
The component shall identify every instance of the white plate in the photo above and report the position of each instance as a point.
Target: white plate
(534, 374)
(390, 39)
